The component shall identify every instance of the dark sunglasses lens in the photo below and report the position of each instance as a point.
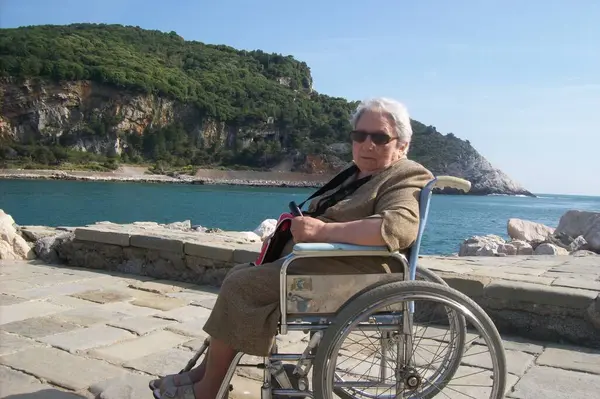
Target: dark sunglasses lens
(359, 137)
(380, 138)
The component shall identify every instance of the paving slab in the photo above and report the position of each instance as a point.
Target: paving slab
(186, 313)
(160, 286)
(10, 300)
(161, 363)
(54, 290)
(10, 343)
(38, 327)
(87, 338)
(61, 368)
(139, 347)
(103, 296)
(480, 356)
(26, 310)
(90, 315)
(130, 386)
(586, 284)
(142, 325)
(571, 358)
(518, 344)
(541, 382)
(191, 328)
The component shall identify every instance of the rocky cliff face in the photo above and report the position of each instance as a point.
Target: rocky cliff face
(99, 118)
(94, 117)
(485, 179)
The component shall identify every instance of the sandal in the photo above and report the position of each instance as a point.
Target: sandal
(173, 392)
(169, 380)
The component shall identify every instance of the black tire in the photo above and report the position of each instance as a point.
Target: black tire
(407, 290)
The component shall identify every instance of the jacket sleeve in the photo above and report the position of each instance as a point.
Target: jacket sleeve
(397, 203)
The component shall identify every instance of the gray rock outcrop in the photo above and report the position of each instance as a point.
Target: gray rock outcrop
(578, 234)
(12, 245)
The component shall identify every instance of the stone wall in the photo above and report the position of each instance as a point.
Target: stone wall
(552, 298)
(195, 257)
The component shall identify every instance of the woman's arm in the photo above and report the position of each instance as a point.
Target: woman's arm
(358, 232)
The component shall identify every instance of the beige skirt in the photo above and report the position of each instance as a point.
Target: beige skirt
(246, 313)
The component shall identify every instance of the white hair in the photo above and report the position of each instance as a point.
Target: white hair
(395, 110)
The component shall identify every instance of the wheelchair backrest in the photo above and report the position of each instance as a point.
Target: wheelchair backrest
(424, 201)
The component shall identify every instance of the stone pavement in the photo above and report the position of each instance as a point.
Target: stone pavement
(68, 333)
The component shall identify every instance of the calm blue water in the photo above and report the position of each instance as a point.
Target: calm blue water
(69, 203)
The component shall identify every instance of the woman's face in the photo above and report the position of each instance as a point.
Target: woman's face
(379, 149)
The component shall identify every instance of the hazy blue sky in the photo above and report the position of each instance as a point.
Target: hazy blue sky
(519, 79)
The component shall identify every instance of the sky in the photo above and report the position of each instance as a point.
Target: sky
(519, 79)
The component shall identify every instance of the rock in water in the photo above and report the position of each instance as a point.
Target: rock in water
(525, 230)
(581, 223)
(550, 249)
(12, 245)
(481, 245)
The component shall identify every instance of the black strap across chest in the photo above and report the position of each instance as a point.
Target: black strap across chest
(338, 195)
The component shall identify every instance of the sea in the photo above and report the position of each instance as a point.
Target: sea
(452, 218)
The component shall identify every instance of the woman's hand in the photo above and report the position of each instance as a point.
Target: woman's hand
(307, 229)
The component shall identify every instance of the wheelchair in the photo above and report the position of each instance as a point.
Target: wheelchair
(383, 309)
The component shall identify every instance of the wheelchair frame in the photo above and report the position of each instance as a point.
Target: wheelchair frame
(314, 313)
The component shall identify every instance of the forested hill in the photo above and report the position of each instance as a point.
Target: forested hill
(102, 95)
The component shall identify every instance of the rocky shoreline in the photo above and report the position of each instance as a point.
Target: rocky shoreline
(577, 234)
(178, 179)
(22, 174)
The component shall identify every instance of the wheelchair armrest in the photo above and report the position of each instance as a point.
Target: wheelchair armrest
(325, 249)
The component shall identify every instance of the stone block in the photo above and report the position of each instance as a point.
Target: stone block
(500, 274)
(103, 296)
(26, 310)
(102, 236)
(518, 344)
(87, 338)
(141, 325)
(139, 347)
(89, 315)
(157, 243)
(185, 313)
(10, 300)
(55, 290)
(191, 328)
(130, 386)
(16, 383)
(38, 327)
(586, 284)
(571, 358)
(544, 382)
(242, 255)
(210, 250)
(158, 302)
(517, 362)
(540, 294)
(13, 343)
(69, 302)
(161, 363)
(160, 286)
(468, 285)
(61, 368)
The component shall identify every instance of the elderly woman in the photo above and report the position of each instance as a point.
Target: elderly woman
(383, 211)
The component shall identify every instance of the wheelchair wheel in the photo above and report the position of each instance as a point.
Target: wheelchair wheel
(399, 370)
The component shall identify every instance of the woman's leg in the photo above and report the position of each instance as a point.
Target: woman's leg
(220, 356)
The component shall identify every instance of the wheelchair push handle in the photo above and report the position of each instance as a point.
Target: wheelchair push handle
(294, 209)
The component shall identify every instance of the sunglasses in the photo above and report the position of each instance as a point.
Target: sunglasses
(378, 138)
